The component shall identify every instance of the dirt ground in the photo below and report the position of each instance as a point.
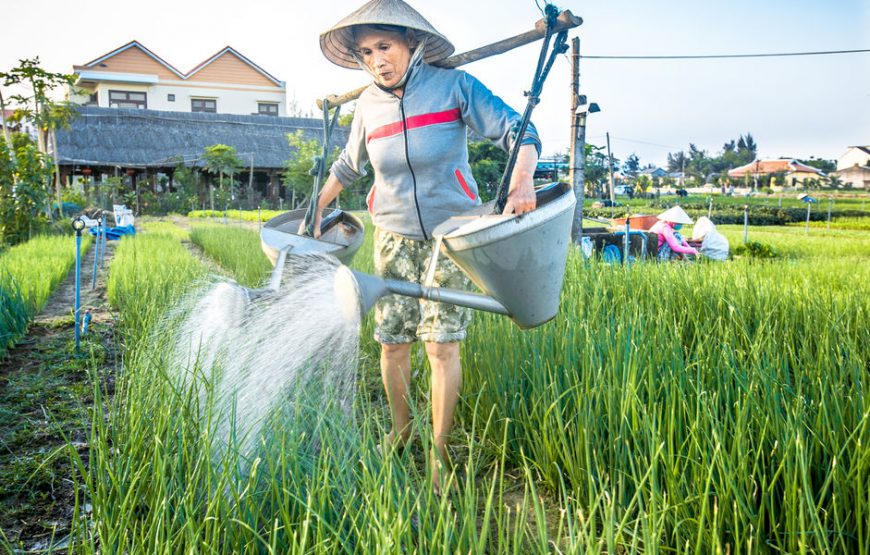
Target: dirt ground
(46, 397)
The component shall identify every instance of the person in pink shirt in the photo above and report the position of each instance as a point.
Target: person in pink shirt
(671, 244)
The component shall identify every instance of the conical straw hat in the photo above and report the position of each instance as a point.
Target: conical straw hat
(338, 40)
(675, 215)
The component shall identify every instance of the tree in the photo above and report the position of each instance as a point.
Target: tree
(222, 160)
(487, 166)
(747, 150)
(826, 166)
(835, 182)
(677, 161)
(595, 171)
(643, 184)
(24, 176)
(631, 165)
(38, 108)
(297, 170)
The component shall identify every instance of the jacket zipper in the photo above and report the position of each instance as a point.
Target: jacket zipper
(413, 177)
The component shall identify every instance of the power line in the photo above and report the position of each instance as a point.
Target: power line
(720, 56)
(627, 140)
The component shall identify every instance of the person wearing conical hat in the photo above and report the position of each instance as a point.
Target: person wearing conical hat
(671, 243)
(411, 123)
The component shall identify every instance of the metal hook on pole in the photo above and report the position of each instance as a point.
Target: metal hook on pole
(560, 46)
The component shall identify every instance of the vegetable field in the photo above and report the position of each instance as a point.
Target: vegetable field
(28, 274)
(705, 407)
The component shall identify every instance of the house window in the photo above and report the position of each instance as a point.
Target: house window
(93, 100)
(128, 99)
(170, 97)
(203, 105)
(267, 108)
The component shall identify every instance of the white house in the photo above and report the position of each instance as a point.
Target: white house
(134, 77)
(854, 156)
(853, 167)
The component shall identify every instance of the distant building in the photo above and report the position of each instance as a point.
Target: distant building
(141, 145)
(853, 167)
(134, 77)
(795, 172)
(654, 173)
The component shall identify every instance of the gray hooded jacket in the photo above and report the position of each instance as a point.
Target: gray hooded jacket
(418, 147)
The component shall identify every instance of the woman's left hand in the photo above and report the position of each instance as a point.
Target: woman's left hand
(521, 195)
(521, 198)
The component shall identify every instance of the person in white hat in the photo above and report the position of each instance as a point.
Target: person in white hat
(410, 123)
(671, 243)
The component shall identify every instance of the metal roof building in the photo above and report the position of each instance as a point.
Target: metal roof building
(131, 138)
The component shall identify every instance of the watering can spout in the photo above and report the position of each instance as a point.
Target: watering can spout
(369, 289)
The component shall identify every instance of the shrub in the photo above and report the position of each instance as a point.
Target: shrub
(755, 249)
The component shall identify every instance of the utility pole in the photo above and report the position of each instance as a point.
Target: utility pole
(578, 143)
(610, 169)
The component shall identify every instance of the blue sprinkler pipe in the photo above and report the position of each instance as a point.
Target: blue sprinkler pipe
(96, 259)
(103, 237)
(78, 225)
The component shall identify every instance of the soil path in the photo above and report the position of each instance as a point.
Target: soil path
(46, 400)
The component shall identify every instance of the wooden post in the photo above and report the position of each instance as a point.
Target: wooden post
(807, 228)
(578, 143)
(251, 183)
(610, 170)
(136, 188)
(830, 201)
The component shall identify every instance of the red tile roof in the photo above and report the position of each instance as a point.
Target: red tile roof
(764, 167)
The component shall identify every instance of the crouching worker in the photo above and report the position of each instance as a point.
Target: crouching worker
(714, 245)
(672, 246)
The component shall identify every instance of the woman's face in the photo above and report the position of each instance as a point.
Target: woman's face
(387, 54)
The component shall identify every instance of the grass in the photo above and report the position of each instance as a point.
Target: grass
(237, 215)
(29, 273)
(166, 228)
(714, 405)
(235, 250)
(857, 224)
(711, 407)
(147, 274)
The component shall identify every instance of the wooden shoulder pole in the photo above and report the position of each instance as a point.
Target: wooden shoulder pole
(565, 21)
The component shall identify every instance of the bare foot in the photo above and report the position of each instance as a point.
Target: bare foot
(441, 472)
(390, 442)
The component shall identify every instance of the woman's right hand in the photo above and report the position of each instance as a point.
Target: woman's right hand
(318, 217)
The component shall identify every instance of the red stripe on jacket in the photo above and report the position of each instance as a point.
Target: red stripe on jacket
(413, 122)
(370, 200)
(465, 186)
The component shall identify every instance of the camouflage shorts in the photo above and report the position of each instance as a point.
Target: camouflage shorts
(405, 319)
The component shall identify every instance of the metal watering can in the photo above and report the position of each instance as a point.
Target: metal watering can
(518, 262)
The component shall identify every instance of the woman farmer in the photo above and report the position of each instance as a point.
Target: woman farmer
(671, 243)
(410, 123)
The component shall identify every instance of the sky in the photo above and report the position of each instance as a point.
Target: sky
(809, 106)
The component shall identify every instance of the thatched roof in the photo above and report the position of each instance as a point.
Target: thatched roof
(152, 138)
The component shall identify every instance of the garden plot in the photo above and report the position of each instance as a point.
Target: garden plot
(703, 407)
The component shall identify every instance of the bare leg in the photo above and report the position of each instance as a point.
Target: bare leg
(396, 375)
(446, 379)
